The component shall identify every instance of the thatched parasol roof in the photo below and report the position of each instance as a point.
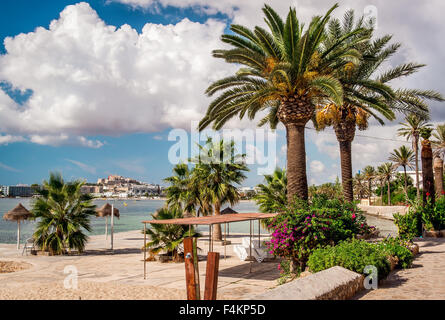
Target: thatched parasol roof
(17, 214)
(105, 210)
(228, 210)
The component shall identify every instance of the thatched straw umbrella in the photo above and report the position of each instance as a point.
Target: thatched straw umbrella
(105, 211)
(18, 214)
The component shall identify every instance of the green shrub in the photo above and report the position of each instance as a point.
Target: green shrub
(433, 216)
(407, 224)
(354, 255)
(398, 248)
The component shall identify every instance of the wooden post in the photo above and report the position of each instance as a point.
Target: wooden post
(106, 227)
(112, 225)
(191, 274)
(211, 284)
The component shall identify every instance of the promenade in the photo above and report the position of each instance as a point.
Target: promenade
(424, 280)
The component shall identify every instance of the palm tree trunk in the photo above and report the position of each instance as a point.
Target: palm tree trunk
(217, 234)
(346, 170)
(369, 190)
(296, 162)
(406, 183)
(416, 148)
(427, 172)
(438, 176)
(389, 193)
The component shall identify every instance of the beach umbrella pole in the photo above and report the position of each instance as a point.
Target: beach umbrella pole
(18, 234)
(106, 227)
(112, 225)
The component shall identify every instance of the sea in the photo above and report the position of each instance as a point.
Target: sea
(133, 212)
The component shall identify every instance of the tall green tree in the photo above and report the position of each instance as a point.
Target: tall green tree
(184, 194)
(272, 195)
(63, 213)
(411, 129)
(439, 152)
(285, 71)
(427, 167)
(387, 172)
(219, 171)
(360, 189)
(369, 174)
(368, 93)
(403, 157)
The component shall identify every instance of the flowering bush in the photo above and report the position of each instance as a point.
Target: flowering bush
(301, 229)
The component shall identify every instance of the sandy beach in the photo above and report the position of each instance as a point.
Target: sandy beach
(103, 275)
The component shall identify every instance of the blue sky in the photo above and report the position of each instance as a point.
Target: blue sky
(89, 100)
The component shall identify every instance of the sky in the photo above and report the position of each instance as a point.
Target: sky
(95, 88)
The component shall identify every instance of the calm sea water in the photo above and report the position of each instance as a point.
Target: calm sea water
(132, 215)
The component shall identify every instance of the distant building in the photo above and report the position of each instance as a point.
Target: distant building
(20, 191)
(412, 174)
(91, 189)
(4, 190)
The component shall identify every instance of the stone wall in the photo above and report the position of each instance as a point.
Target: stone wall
(335, 283)
(385, 212)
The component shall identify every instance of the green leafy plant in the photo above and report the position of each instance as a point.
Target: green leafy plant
(63, 213)
(407, 224)
(168, 237)
(354, 255)
(399, 248)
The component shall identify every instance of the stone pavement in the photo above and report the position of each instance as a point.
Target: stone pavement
(424, 280)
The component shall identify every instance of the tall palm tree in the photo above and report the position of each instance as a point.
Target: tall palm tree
(411, 130)
(272, 195)
(63, 214)
(439, 152)
(360, 188)
(427, 166)
(403, 157)
(369, 174)
(286, 71)
(387, 171)
(380, 176)
(366, 93)
(218, 171)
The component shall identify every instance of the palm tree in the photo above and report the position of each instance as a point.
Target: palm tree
(63, 212)
(387, 172)
(381, 178)
(184, 194)
(168, 237)
(366, 94)
(272, 196)
(360, 188)
(411, 130)
(439, 152)
(427, 166)
(403, 157)
(217, 172)
(369, 175)
(286, 72)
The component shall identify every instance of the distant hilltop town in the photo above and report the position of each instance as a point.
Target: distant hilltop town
(121, 187)
(114, 186)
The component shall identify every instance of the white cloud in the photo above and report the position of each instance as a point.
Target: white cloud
(90, 78)
(83, 166)
(317, 167)
(64, 139)
(8, 168)
(6, 139)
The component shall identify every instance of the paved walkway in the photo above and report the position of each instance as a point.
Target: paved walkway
(424, 280)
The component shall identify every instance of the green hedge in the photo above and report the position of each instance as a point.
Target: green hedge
(355, 255)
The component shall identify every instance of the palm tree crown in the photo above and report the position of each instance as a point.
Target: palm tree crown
(272, 196)
(286, 72)
(63, 213)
